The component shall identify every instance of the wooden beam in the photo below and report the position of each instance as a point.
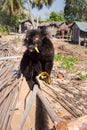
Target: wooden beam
(78, 124)
(10, 57)
(28, 107)
(58, 123)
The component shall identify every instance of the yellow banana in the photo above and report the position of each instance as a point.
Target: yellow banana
(37, 50)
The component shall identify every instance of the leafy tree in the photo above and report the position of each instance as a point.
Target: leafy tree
(75, 10)
(12, 6)
(11, 11)
(56, 17)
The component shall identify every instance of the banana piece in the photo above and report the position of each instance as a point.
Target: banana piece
(45, 76)
(37, 50)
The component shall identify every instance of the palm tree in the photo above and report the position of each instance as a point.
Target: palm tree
(30, 12)
(12, 6)
(39, 4)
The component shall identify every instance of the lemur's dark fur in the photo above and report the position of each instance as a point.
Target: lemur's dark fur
(34, 62)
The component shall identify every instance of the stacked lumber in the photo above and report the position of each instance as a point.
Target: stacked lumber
(9, 85)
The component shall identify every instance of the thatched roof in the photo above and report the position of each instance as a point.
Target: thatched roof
(25, 20)
(57, 24)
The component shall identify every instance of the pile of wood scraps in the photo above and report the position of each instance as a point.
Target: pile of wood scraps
(67, 95)
(9, 86)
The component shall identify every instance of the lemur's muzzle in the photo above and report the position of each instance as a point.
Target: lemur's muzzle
(33, 47)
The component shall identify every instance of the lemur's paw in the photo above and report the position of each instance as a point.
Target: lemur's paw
(45, 76)
(17, 74)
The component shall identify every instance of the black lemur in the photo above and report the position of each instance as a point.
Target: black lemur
(37, 58)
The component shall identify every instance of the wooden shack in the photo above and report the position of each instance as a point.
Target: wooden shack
(56, 28)
(52, 27)
(79, 32)
(24, 25)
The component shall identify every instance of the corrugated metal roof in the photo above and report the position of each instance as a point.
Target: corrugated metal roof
(82, 26)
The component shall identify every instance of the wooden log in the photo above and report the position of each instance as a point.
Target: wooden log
(61, 99)
(5, 110)
(61, 126)
(78, 124)
(10, 57)
(28, 107)
(58, 123)
(6, 119)
(12, 110)
(8, 90)
(50, 111)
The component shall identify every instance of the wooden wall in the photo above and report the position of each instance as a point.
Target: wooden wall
(78, 36)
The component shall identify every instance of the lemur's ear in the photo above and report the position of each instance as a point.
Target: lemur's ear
(44, 32)
(26, 39)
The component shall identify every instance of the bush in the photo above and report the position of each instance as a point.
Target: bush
(4, 29)
(67, 62)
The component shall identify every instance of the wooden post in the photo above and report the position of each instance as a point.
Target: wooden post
(20, 28)
(79, 37)
(85, 39)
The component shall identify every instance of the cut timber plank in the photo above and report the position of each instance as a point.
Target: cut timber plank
(78, 124)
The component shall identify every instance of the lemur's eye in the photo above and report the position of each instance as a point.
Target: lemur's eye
(36, 39)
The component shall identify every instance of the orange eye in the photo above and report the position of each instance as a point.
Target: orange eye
(36, 38)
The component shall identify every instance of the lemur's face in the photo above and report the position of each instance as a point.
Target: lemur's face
(33, 40)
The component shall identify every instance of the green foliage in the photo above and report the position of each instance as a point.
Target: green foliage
(82, 76)
(75, 10)
(5, 29)
(15, 20)
(56, 17)
(67, 62)
(12, 6)
(11, 11)
(40, 3)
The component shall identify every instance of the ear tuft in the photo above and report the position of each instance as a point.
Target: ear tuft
(25, 41)
(44, 32)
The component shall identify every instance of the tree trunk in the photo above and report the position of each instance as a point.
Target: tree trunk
(37, 18)
(31, 15)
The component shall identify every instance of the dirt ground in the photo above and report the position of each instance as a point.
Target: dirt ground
(67, 92)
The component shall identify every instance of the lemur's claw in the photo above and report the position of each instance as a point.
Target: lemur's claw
(17, 73)
(45, 76)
